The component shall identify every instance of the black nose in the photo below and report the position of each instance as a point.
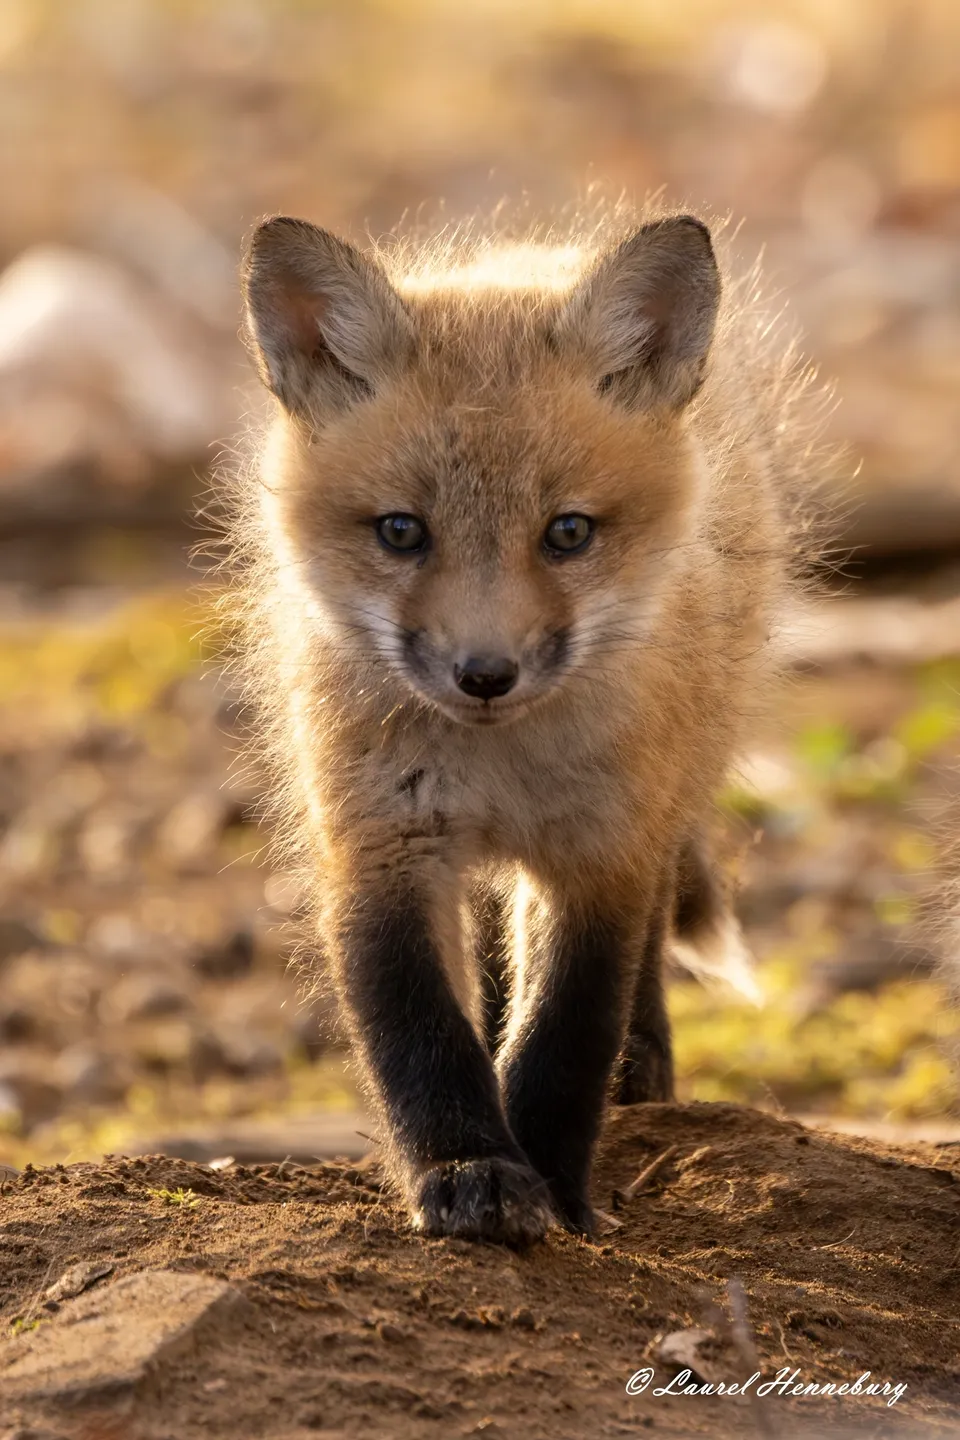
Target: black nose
(484, 677)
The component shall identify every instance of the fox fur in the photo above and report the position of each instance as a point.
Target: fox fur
(495, 877)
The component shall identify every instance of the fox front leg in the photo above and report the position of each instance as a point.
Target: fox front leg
(461, 1170)
(562, 1043)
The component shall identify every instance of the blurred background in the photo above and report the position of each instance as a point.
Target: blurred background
(145, 999)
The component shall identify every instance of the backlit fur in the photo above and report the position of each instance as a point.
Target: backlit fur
(642, 661)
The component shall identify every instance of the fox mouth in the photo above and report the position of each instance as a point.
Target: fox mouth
(479, 714)
(485, 714)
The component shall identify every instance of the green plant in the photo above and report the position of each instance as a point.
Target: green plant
(186, 1199)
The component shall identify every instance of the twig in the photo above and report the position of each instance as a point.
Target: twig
(833, 1243)
(695, 1156)
(624, 1196)
(607, 1224)
(747, 1351)
(783, 1342)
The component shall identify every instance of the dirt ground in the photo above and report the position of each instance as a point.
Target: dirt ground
(335, 1319)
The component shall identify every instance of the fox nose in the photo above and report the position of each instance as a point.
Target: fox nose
(485, 677)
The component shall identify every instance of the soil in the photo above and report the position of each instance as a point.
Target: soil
(336, 1320)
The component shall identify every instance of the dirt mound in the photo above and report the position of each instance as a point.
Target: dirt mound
(283, 1301)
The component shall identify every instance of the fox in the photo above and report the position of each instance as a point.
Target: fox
(511, 550)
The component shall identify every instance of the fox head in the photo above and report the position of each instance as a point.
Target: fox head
(483, 481)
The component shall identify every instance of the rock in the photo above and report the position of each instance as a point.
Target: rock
(233, 1051)
(107, 840)
(393, 1334)
(143, 997)
(116, 938)
(883, 319)
(228, 960)
(17, 937)
(884, 629)
(164, 1043)
(189, 832)
(18, 1023)
(89, 1077)
(115, 1337)
(95, 368)
(27, 1098)
(47, 996)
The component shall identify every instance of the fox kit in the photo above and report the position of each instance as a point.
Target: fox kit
(511, 545)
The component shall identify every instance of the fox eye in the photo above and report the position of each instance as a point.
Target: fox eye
(404, 533)
(566, 534)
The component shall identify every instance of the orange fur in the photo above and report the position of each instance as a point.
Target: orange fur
(489, 424)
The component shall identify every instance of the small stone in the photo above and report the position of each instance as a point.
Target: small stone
(429, 1410)
(192, 828)
(143, 997)
(90, 1077)
(391, 1333)
(18, 1023)
(231, 958)
(233, 1051)
(27, 1098)
(524, 1318)
(165, 1043)
(16, 938)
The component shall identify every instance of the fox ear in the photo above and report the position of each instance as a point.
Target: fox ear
(645, 315)
(325, 323)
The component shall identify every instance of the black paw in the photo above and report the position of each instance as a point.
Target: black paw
(497, 1200)
(576, 1215)
(646, 1071)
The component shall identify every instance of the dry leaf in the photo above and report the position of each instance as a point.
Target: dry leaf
(685, 1350)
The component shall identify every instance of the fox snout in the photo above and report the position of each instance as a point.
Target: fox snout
(478, 683)
(486, 677)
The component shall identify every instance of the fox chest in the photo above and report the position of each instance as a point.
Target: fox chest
(507, 805)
